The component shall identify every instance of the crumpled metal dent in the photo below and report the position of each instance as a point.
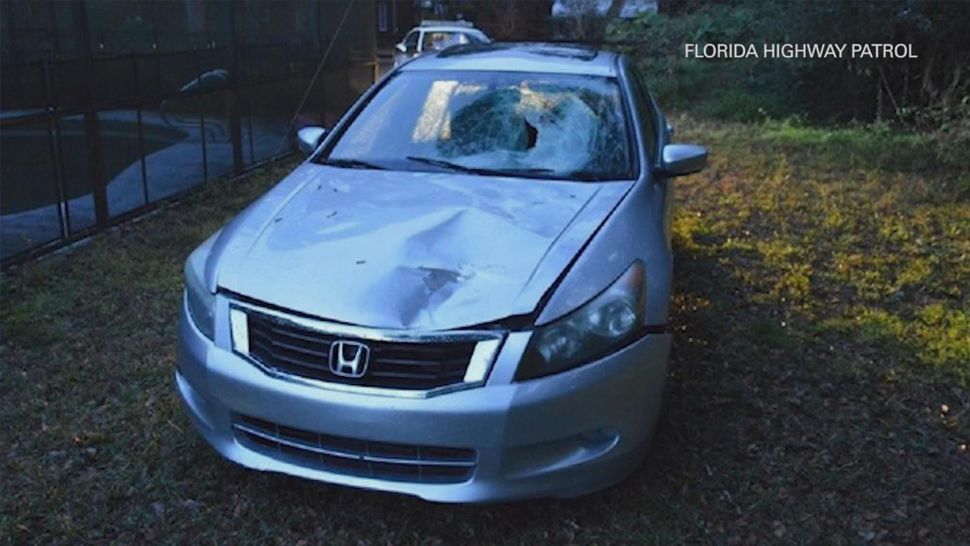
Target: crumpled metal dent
(415, 250)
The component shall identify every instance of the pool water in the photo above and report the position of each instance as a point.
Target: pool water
(27, 179)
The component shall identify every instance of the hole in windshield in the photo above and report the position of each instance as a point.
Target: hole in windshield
(538, 125)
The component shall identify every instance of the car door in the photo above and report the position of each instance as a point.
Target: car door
(410, 43)
(418, 41)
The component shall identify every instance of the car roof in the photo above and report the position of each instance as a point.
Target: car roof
(447, 28)
(520, 57)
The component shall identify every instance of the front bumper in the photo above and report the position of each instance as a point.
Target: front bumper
(561, 436)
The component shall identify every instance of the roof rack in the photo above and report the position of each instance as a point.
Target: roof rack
(441, 23)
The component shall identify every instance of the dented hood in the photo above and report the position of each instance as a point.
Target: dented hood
(408, 249)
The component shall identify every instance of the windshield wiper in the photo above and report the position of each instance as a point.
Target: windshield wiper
(444, 164)
(352, 164)
(531, 171)
(591, 176)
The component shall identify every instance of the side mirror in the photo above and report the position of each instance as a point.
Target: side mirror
(308, 138)
(681, 159)
(401, 48)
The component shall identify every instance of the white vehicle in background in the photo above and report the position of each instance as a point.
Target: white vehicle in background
(435, 36)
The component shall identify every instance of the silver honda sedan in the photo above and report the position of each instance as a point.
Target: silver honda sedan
(461, 294)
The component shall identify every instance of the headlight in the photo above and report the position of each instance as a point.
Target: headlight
(201, 302)
(601, 326)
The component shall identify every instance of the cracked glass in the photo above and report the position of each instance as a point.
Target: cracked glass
(538, 125)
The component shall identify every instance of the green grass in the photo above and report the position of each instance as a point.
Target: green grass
(819, 389)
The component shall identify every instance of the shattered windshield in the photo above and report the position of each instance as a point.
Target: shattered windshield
(493, 123)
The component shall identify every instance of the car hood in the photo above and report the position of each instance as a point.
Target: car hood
(408, 250)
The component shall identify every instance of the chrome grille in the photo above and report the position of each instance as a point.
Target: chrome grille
(382, 460)
(406, 364)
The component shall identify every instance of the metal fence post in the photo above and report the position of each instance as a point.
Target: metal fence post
(54, 140)
(205, 157)
(92, 128)
(141, 130)
(232, 93)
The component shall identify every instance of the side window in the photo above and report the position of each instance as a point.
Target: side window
(411, 41)
(647, 114)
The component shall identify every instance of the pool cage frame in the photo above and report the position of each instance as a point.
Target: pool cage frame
(235, 54)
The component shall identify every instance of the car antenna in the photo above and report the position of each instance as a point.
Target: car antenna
(313, 80)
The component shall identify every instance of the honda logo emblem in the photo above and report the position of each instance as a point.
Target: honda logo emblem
(349, 358)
